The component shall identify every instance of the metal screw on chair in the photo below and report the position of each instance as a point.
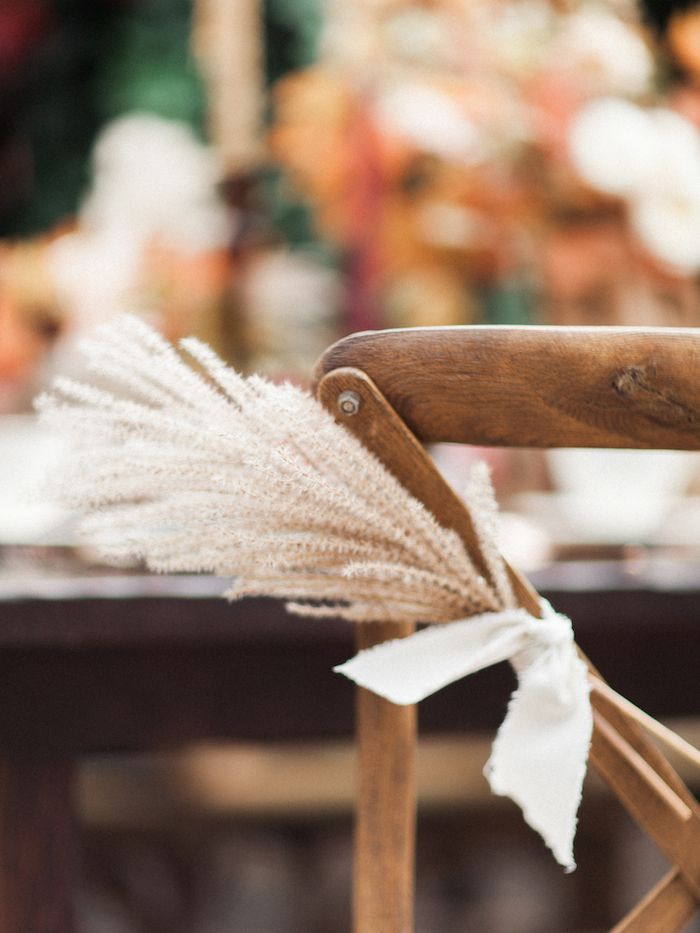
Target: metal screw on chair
(349, 403)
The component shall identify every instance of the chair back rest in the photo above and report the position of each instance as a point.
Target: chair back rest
(535, 386)
(529, 387)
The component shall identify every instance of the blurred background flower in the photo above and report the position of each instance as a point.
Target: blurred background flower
(438, 161)
(272, 175)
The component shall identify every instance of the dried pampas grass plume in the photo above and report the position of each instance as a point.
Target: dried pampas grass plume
(209, 471)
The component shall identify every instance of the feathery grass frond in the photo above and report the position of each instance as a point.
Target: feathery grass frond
(206, 470)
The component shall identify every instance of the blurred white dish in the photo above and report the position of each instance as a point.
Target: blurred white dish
(29, 452)
(619, 496)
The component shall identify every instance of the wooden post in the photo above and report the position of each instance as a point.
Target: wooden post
(38, 851)
(386, 803)
(228, 42)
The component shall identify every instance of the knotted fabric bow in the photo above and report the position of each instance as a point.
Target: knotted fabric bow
(540, 753)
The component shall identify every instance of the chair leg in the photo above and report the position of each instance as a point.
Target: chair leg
(38, 846)
(386, 804)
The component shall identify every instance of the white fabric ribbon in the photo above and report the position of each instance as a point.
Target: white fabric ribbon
(540, 753)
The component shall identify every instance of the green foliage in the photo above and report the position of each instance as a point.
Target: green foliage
(98, 61)
(291, 35)
(150, 66)
(507, 303)
(109, 58)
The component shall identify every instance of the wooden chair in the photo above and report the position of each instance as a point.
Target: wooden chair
(520, 387)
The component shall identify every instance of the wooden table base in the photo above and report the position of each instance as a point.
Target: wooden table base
(38, 846)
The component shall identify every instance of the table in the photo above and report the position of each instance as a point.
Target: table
(92, 664)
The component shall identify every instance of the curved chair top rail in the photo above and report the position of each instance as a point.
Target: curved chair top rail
(535, 386)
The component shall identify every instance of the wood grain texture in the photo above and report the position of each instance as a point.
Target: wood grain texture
(386, 803)
(535, 386)
(633, 767)
(385, 434)
(38, 869)
(384, 855)
(386, 734)
(668, 908)
(640, 744)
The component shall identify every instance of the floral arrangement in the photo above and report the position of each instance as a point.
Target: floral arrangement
(151, 237)
(241, 477)
(448, 146)
(194, 467)
(151, 233)
(651, 162)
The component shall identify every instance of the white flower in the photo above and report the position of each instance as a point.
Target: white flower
(517, 33)
(668, 224)
(665, 214)
(604, 52)
(679, 147)
(154, 181)
(652, 159)
(614, 146)
(430, 120)
(154, 177)
(419, 35)
(449, 225)
(350, 39)
(95, 274)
